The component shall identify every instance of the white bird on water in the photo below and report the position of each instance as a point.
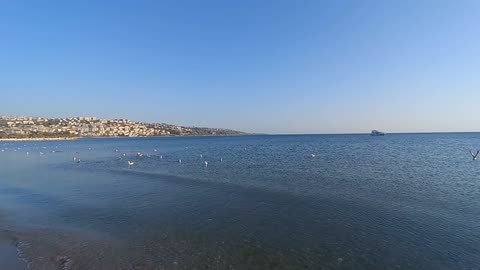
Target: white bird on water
(474, 155)
(130, 163)
(206, 163)
(221, 159)
(179, 161)
(201, 156)
(313, 155)
(161, 156)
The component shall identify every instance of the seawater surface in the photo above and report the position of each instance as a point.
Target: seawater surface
(402, 201)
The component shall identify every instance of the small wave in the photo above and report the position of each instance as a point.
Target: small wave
(64, 263)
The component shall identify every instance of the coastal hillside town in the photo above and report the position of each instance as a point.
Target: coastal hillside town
(41, 127)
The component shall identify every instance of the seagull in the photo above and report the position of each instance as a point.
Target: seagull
(154, 150)
(76, 159)
(179, 161)
(161, 156)
(221, 159)
(313, 155)
(201, 156)
(116, 150)
(140, 154)
(206, 163)
(474, 156)
(130, 163)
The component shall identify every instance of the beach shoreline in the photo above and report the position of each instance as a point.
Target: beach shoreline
(38, 139)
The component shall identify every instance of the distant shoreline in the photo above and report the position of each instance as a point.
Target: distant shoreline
(38, 139)
(109, 137)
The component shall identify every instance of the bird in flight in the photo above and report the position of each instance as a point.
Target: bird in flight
(474, 155)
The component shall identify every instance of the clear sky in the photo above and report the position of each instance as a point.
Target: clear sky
(254, 65)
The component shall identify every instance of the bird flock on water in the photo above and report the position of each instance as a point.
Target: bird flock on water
(475, 154)
(140, 155)
(123, 156)
(136, 158)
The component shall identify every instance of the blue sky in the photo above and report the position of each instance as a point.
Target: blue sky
(259, 66)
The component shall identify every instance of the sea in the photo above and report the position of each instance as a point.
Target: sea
(400, 201)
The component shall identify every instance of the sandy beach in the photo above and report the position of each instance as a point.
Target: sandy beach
(37, 139)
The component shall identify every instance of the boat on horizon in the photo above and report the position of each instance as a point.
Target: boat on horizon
(377, 133)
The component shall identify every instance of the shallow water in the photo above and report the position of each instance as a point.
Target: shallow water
(9, 255)
(401, 201)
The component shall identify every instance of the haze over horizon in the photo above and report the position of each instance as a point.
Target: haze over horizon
(254, 66)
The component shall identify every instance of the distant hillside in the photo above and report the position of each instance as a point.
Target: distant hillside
(40, 127)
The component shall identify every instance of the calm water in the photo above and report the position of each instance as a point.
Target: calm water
(264, 202)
